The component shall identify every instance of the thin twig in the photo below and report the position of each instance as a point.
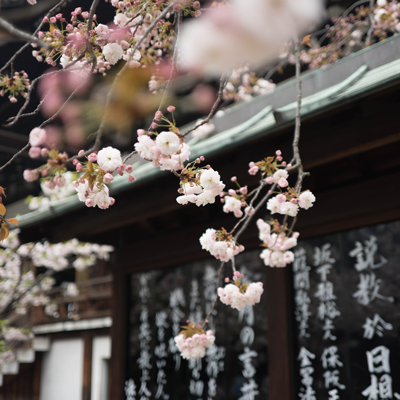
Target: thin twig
(371, 21)
(25, 46)
(216, 104)
(216, 297)
(26, 147)
(22, 35)
(173, 62)
(351, 8)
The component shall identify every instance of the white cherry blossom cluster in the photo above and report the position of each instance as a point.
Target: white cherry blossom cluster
(194, 346)
(15, 284)
(277, 252)
(97, 172)
(220, 244)
(282, 205)
(243, 85)
(238, 295)
(204, 192)
(234, 200)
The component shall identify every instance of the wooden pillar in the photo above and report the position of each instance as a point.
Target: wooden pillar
(280, 333)
(119, 343)
(87, 365)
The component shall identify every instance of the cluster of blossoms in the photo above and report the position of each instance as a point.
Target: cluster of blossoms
(243, 85)
(289, 202)
(238, 295)
(198, 185)
(97, 172)
(110, 44)
(52, 195)
(19, 282)
(193, 341)
(350, 33)
(234, 200)
(53, 171)
(14, 86)
(277, 245)
(220, 244)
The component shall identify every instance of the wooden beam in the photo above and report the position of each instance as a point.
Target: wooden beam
(87, 365)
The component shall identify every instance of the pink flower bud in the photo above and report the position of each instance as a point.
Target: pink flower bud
(269, 180)
(253, 170)
(171, 109)
(131, 178)
(13, 99)
(158, 115)
(40, 35)
(236, 273)
(69, 28)
(233, 179)
(44, 152)
(120, 169)
(45, 19)
(50, 184)
(243, 190)
(154, 125)
(92, 157)
(129, 169)
(44, 172)
(202, 158)
(81, 152)
(251, 164)
(278, 152)
(112, 201)
(59, 16)
(235, 278)
(59, 181)
(281, 198)
(85, 14)
(295, 235)
(196, 4)
(75, 161)
(89, 203)
(293, 201)
(108, 178)
(34, 152)
(141, 132)
(57, 33)
(289, 166)
(78, 166)
(31, 175)
(226, 280)
(279, 158)
(53, 20)
(177, 7)
(243, 204)
(284, 164)
(283, 182)
(232, 192)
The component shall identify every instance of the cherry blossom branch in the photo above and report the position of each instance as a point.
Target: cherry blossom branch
(173, 62)
(25, 46)
(99, 131)
(22, 35)
(216, 297)
(216, 104)
(26, 147)
(20, 115)
(371, 21)
(351, 8)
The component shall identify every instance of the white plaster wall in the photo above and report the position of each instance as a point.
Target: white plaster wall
(100, 356)
(62, 371)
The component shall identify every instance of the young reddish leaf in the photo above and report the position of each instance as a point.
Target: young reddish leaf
(2, 209)
(3, 232)
(306, 40)
(12, 221)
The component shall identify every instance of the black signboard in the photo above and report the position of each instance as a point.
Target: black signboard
(348, 315)
(235, 367)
